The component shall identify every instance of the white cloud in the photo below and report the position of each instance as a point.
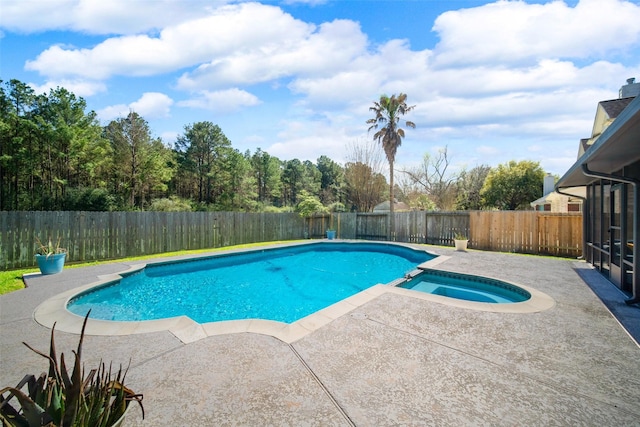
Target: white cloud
(513, 32)
(151, 105)
(113, 112)
(334, 91)
(99, 16)
(503, 73)
(223, 101)
(229, 32)
(308, 140)
(34, 15)
(391, 68)
(302, 50)
(82, 88)
(482, 95)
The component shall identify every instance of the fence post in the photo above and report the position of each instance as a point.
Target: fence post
(111, 235)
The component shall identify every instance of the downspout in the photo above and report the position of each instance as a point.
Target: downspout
(636, 223)
(584, 222)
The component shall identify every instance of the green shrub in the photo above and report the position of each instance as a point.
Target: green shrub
(172, 204)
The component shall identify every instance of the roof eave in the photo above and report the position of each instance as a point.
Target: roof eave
(613, 150)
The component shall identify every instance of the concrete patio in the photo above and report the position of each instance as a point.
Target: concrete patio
(394, 360)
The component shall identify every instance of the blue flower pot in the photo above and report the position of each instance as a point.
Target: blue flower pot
(51, 264)
(331, 234)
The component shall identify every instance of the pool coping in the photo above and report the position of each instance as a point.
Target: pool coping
(53, 310)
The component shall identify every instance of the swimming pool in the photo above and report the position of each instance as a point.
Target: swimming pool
(466, 287)
(282, 284)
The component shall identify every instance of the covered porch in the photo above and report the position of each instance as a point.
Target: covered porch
(610, 172)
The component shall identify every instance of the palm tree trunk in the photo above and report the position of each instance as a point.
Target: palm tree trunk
(392, 217)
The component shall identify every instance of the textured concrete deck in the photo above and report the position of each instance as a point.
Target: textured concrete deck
(394, 360)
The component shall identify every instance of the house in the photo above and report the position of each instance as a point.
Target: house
(608, 168)
(552, 201)
(606, 113)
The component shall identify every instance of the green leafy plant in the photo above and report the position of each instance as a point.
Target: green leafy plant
(460, 236)
(62, 399)
(49, 248)
(309, 205)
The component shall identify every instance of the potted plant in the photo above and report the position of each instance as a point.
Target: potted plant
(460, 241)
(61, 398)
(50, 257)
(331, 232)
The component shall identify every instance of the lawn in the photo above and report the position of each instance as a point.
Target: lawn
(12, 280)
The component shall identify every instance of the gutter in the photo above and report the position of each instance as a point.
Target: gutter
(636, 224)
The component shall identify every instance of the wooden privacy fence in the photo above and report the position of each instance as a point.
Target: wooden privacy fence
(531, 232)
(435, 228)
(91, 236)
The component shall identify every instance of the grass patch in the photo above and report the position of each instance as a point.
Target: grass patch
(12, 280)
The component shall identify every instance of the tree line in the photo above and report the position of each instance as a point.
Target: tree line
(55, 155)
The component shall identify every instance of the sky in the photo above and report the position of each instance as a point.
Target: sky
(490, 81)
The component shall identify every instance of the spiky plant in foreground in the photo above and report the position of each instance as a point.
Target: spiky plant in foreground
(57, 399)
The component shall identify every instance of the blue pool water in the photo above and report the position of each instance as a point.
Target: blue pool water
(283, 284)
(466, 287)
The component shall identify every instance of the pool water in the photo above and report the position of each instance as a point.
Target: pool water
(284, 284)
(466, 287)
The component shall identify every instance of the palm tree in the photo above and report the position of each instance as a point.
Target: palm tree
(388, 112)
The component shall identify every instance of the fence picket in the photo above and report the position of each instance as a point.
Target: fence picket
(110, 235)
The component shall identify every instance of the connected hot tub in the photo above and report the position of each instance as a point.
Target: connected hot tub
(466, 287)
